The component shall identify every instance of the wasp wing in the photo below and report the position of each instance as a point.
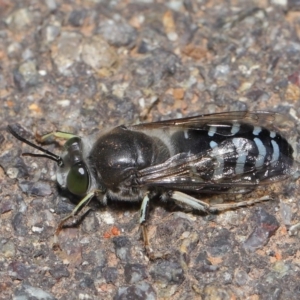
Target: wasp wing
(265, 119)
(204, 173)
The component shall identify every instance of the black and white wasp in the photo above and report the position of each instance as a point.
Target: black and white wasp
(231, 152)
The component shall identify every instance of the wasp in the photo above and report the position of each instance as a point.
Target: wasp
(230, 152)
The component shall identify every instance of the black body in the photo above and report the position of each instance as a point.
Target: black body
(213, 157)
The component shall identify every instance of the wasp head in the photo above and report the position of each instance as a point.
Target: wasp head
(73, 173)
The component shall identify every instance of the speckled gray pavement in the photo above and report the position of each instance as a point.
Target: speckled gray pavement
(79, 66)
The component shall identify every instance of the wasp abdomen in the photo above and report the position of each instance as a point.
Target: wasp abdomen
(239, 149)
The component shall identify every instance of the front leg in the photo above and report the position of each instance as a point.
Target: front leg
(82, 204)
(56, 134)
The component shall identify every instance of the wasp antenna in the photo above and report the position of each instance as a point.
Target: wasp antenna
(48, 154)
(43, 155)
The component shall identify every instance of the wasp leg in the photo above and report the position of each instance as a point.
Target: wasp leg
(225, 206)
(56, 134)
(190, 201)
(205, 207)
(142, 221)
(85, 201)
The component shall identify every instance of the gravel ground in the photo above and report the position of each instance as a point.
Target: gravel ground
(81, 65)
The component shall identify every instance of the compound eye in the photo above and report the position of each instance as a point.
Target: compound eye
(78, 179)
